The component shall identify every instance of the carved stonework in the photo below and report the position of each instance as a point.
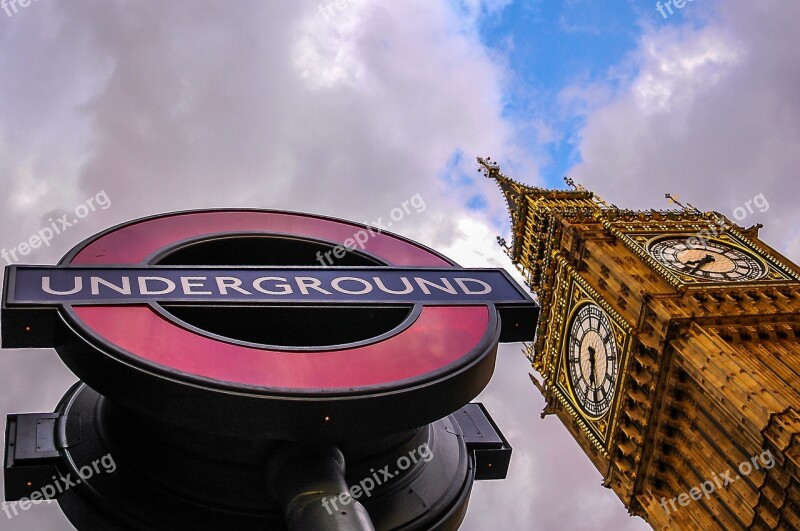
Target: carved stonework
(708, 339)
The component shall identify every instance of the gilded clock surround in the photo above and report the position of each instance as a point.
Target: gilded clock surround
(711, 261)
(775, 272)
(709, 369)
(580, 294)
(591, 360)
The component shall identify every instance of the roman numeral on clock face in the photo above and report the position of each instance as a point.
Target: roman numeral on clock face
(592, 360)
(715, 261)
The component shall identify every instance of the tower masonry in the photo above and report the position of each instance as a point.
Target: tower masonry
(668, 346)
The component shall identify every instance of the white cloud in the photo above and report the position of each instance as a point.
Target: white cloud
(325, 51)
(183, 105)
(710, 113)
(179, 105)
(679, 65)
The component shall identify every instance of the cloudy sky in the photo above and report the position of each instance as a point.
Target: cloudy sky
(349, 108)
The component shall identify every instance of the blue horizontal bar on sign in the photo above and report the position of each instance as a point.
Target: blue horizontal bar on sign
(54, 285)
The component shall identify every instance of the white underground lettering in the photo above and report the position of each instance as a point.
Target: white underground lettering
(188, 286)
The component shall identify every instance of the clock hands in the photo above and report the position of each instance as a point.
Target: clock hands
(699, 263)
(731, 262)
(592, 360)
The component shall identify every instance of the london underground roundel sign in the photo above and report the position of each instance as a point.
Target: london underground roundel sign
(269, 323)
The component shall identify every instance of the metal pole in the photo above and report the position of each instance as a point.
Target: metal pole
(309, 482)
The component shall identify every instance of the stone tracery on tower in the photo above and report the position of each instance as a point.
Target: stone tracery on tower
(704, 326)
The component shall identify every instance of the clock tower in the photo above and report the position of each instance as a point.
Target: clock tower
(669, 346)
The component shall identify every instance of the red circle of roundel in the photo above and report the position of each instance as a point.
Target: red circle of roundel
(441, 339)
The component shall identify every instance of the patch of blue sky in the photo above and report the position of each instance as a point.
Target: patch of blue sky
(454, 173)
(459, 174)
(477, 203)
(552, 45)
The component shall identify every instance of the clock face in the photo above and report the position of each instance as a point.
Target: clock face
(713, 260)
(592, 360)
